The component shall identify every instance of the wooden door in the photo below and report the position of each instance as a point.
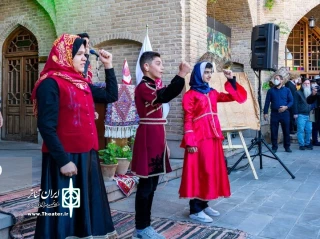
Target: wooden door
(20, 74)
(100, 108)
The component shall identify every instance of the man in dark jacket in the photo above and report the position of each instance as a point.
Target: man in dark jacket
(291, 85)
(314, 99)
(281, 100)
(301, 110)
(86, 37)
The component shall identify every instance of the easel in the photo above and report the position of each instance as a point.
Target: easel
(239, 146)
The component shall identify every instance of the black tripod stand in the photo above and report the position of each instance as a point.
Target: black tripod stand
(259, 141)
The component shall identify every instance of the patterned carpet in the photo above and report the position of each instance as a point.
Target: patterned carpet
(124, 223)
(19, 203)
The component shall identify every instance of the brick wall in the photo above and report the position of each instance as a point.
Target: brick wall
(253, 6)
(236, 15)
(29, 15)
(196, 21)
(121, 49)
(177, 29)
(194, 30)
(127, 20)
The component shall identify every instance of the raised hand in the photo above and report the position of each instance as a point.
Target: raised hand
(105, 58)
(228, 74)
(184, 69)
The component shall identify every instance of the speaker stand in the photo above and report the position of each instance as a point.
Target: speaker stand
(258, 141)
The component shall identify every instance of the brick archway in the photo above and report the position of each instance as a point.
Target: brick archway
(121, 48)
(120, 36)
(12, 26)
(20, 71)
(301, 12)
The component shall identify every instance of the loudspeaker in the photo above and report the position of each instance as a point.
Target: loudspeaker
(265, 47)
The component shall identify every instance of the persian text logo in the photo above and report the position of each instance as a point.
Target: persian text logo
(45, 196)
(71, 197)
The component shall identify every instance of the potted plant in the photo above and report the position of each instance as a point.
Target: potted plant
(109, 161)
(124, 157)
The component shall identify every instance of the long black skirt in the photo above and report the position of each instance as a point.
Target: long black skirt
(91, 216)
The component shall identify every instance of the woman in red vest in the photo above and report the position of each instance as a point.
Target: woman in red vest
(72, 187)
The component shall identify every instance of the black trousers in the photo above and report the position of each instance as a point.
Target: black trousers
(293, 125)
(197, 205)
(315, 131)
(144, 198)
(284, 120)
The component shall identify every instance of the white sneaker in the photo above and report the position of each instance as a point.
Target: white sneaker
(210, 212)
(147, 233)
(201, 217)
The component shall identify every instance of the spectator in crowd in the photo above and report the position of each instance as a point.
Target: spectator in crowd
(281, 100)
(291, 84)
(301, 110)
(298, 84)
(314, 99)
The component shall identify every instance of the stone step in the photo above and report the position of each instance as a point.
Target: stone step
(115, 194)
(5, 223)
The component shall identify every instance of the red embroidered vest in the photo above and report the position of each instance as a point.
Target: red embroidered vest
(76, 127)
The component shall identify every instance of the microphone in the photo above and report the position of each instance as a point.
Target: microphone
(93, 52)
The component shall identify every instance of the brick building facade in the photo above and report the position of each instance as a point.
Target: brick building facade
(177, 29)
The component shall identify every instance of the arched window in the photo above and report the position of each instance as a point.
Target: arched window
(24, 41)
(303, 50)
